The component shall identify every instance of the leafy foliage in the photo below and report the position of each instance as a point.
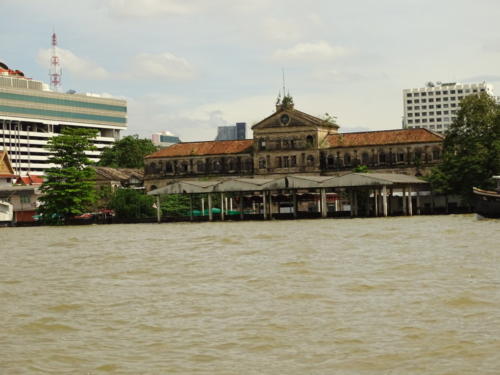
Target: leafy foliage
(471, 149)
(128, 152)
(175, 205)
(132, 204)
(330, 119)
(361, 169)
(68, 189)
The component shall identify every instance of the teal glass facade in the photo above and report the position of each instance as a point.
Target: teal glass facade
(62, 114)
(63, 102)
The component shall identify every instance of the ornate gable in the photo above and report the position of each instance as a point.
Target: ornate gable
(286, 116)
(6, 169)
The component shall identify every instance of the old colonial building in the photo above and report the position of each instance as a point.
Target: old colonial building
(293, 142)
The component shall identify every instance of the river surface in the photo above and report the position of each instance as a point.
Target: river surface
(408, 295)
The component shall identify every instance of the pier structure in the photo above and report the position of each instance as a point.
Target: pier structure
(355, 194)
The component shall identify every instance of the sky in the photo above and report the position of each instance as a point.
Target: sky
(188, 66)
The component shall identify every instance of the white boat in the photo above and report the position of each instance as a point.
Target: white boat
(6, 213)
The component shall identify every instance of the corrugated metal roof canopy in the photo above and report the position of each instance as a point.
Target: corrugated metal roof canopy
(189, 187)
(288, 182)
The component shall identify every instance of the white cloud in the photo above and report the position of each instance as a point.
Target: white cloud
(313, 51)
(70, 62)
(335, 76)
(148, 8)
(282, 29)
(163, 66)
(247, 109)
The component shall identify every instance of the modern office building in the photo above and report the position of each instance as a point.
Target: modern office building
(164, 139)
(30, 114)
(436, 105)
(232, 133)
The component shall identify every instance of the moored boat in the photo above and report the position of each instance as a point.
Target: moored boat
(6, 213)
(487, 202)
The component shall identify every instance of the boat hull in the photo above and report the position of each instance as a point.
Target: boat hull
(487, 203)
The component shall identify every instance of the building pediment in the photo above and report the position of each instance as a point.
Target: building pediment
(292, 118)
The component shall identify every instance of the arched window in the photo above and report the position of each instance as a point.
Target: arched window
(200, 166)
(278, 162)
(418, 154)
(330, 161)
(310, 161)
(365, 158)
(230, 164)
(182, 166)
(262, 163)
(248, 164)
(309, 141)
(168, 167)
(347, 158)
(216, 165)
(262, 144)
(382, 157)
(436, 153)
(401, 156)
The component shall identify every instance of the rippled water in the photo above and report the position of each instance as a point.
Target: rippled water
(416, 295)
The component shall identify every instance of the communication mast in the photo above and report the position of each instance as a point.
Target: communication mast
(55, 66)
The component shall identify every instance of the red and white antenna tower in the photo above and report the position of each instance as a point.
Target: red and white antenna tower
(55, 66)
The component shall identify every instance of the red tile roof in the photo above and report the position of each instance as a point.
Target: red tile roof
(30, 180)
(384, 137)
(204, 148)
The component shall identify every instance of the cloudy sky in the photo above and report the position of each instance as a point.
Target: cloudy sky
(188, 66)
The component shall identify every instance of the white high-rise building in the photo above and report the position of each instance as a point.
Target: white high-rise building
(30, 114)
(436, 105)
(164, 139)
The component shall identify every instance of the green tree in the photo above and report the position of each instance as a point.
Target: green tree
(471, 149)
(132, 204)
(68, 189)
(175, 204)
(128, 152)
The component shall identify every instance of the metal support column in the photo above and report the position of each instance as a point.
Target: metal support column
(264, 204)
(270, 205)
(410, 203)
(158, 211)
(404, 202)
(324, 209)
(384, 199)
(351, 201)
(294, 199)
(191, 207)
(210, 214)
(355, 203)
(222, 206)
(241, 205)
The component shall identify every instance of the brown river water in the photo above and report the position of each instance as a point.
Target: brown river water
(408, 295)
